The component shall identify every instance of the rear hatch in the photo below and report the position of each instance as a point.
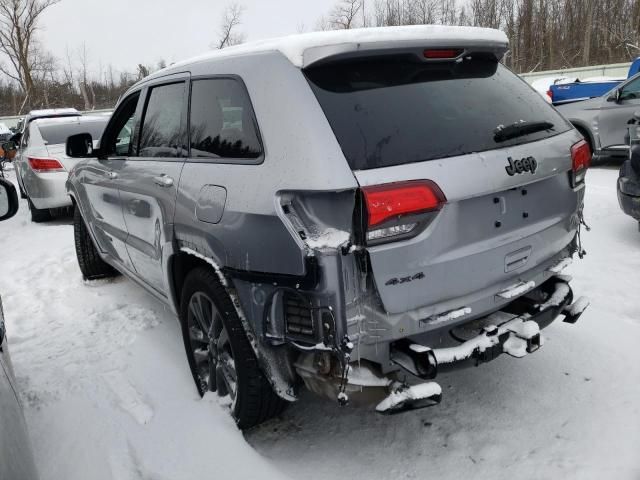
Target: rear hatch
(478, 159)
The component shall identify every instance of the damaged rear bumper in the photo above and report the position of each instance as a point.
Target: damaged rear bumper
(514, 330)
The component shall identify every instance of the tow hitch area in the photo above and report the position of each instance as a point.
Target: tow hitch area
(514, 331)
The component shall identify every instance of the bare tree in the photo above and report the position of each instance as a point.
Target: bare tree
(345, 14)
(85, 86)
(231, 20)
(18, 25)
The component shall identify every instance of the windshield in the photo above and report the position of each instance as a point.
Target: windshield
(392, 111)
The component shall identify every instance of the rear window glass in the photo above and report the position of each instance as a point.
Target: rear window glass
(222, 121)
(394, 111)
(58, 134)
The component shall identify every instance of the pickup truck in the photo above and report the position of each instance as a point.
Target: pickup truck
(577, 91)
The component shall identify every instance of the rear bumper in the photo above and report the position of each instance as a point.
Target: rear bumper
(47, 190)
(514, 330)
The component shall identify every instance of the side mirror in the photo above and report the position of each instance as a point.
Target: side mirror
(615, 96)
(80, 146)
(16, 138)
(8, 199)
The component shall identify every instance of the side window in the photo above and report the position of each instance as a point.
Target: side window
(117, 137)
(631, 90)
(222, 121)
(161, 133)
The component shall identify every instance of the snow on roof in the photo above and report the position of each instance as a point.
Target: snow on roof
(53, 111)
(71, 119)
(295, 46)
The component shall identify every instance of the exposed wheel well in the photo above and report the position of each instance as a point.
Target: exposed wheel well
(181, 264)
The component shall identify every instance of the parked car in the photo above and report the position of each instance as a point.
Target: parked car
(16, 457)
(353, 211)
(603, 120)
(5, 133)
(47, 113)
(629, 178)
(567, 92)
(42, 166)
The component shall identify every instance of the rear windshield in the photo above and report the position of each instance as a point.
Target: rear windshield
(393, 111)
(58, 134)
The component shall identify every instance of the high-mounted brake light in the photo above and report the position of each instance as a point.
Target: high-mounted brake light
(442, 54)
(581, 160)
(45, 165)
(393, 209)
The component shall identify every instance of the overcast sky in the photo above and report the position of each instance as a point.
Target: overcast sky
(127, 32)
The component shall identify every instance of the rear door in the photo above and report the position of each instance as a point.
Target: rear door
(149, 178)
(613, 118)
(447, 133)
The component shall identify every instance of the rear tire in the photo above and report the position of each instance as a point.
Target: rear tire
(38, 215)
(253, 399)
(89, 261)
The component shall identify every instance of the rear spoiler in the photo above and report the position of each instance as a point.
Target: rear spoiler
(492, 45)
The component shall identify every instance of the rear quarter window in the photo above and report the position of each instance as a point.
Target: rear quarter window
(393, 111)
(223, 124)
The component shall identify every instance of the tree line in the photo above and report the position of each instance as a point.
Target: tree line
(543, 35)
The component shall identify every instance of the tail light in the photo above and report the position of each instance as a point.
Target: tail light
(550, 95)
(581, 159)
(397, 209)
(43, 165)
(442, 54)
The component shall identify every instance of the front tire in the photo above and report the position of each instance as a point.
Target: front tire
(220, 355)
(89, 261)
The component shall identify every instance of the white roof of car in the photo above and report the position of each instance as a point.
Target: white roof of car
(53, 111)
(70, 120)
(297, 48)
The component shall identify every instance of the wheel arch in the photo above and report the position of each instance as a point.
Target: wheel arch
(186, 260)
(586, 133)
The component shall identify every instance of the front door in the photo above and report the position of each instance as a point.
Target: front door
(614, 116)
(99, 180)
(149, 178)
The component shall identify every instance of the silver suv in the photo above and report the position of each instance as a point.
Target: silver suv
(354, 212)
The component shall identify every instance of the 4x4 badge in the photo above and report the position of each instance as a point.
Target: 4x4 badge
(528, 164)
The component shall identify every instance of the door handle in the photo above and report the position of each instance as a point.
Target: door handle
(163, 180)
(108, 173)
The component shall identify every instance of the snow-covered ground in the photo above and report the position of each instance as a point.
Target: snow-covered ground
(108, 394)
